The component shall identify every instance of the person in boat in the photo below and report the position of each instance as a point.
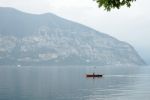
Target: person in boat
(93, 74)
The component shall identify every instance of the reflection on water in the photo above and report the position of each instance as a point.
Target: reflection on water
(70, 83)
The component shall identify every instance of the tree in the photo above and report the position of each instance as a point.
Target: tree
(111, 4)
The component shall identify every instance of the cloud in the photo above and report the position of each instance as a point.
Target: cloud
(32, 6)
(72, 3)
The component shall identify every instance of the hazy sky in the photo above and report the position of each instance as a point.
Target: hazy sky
(127, 24)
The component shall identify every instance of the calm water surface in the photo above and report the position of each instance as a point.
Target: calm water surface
(70, 83)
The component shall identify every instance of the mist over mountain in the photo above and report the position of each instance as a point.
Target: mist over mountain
(47, 39)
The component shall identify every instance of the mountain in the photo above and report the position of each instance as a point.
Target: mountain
(46, 39)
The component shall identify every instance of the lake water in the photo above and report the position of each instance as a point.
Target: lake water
(70, 83)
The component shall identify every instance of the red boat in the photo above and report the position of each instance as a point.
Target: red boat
(94, 75)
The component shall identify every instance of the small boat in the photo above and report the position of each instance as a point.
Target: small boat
(94, 75)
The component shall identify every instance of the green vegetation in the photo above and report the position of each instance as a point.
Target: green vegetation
(111, 4)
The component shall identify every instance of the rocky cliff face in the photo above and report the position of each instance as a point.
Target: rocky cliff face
(50, 40)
